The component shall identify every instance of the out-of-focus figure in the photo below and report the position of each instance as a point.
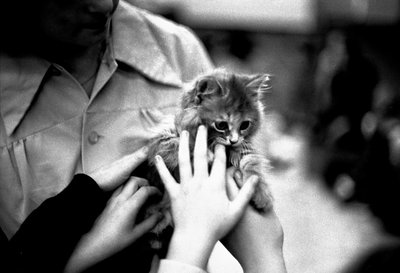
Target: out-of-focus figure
(377, 184)
(345, 83)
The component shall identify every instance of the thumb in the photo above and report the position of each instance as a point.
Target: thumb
(111, 176)
(243, 197)
(231, 186)
(166, 177)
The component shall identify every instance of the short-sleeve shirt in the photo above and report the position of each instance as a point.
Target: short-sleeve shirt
(50, 129)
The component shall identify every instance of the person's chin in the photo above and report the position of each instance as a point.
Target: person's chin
(89, 37)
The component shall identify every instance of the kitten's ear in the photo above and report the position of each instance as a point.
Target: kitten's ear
(259, 84)
(207, 87)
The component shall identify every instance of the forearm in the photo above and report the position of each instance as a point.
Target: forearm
(53, 229)
(258, 257)
(256, 242)
(271, 262)
(192, 249)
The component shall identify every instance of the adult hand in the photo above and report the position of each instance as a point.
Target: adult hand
(257, 239)
(115, 228)
(112, 176)
(201, 210)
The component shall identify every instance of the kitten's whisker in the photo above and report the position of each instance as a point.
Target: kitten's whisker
(247, 148)
(244, 146)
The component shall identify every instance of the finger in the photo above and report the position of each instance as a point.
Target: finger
(238, 176)
(117, 191)
(113, 198)
(130, 187)
(231, 186)
(145, 226)
(218, 170)
(168, 180)
(139, 198)
(126, 165)
(110, 177)
(200, 152)
(185, 165)
(244, 196)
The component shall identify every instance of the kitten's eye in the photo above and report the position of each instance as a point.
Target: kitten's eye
(245, 125)
(221, 126)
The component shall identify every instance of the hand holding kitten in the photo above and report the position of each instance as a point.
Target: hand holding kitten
(257, 239)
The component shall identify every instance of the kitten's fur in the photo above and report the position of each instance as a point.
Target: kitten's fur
(229, 106)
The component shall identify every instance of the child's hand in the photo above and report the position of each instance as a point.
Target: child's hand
(257, 239)
(116, 227)
(201, 210)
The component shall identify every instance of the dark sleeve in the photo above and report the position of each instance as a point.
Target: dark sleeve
(47, 238)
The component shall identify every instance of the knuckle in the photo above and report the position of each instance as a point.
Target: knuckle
(144, 191)
(138, 181)
(148, 190)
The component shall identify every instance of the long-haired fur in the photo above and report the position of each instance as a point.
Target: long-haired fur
(229, 105)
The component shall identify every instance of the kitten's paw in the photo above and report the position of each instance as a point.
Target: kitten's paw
(262, 200)
(255, 164)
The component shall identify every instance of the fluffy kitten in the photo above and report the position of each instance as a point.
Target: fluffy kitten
(229, 105)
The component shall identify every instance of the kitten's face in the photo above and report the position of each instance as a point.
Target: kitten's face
(229, 105)
(231, 128)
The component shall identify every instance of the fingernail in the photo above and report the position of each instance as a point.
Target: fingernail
(145, 149)
(158, 158)
(253, 179)
(185, 133)
(220, 147)
(238, 175)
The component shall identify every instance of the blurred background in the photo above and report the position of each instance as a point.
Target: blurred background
(333, 118)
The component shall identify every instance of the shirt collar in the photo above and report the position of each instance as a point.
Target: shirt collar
(20, 79)
(134, 44)
(131, 42)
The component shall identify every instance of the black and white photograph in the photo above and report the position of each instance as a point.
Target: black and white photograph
(213, 136)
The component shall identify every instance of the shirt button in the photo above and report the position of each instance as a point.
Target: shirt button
(93, 137)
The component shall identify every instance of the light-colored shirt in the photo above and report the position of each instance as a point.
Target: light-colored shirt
(50, 129)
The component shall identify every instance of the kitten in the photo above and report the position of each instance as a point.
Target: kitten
(229, 105)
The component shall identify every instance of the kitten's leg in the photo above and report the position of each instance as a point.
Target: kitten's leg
(254, 164)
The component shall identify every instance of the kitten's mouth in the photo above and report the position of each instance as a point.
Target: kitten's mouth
(235, 145)
(232, 146)
(228, 145)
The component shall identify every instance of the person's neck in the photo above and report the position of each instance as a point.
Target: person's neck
(82, 63)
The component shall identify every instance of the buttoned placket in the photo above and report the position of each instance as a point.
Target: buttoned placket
(92, 136)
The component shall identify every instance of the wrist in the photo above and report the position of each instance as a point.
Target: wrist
(191, 248)
(271, 261)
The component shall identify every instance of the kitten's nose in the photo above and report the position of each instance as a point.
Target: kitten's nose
(233, 141)
(233, 138)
